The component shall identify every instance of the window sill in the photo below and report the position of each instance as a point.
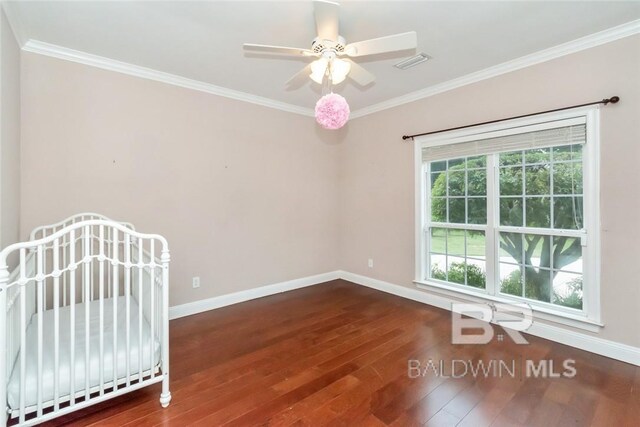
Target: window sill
(540, 313)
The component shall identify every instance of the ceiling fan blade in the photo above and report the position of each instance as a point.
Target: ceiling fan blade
(278, 49)
(383, 44)
(326, 14)
(359, 74)
(300, 78)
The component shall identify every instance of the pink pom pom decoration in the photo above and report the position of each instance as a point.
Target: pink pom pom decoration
(332, 111)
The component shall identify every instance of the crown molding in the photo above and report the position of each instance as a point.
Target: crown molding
(583, 43)
(60, 52)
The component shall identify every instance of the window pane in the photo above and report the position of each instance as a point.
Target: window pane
(456, 270)
(438, 166)
(439, 209)
(537, 284)
(455, 242)
(567, 254)
(567, 178)
(567, 152)
(456, 183)
(537, 155)
(476, 244)
(567, 213)
(438, 184)
(438, 266)
(457, 211)
(476, 273)
(537, 250)
(511, 248)
(511, 158)
(511, 181)
(567, 290)
(477, 182)
(450, 253)
(477, 162)
(511, 279)
(537, 180)
(477, 209)
(538, 212)
(460, 163)
(438, 241)
(511, 211)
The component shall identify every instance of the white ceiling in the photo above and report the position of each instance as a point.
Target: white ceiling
(203, 40)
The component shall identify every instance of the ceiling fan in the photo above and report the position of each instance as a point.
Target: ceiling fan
(334, 53)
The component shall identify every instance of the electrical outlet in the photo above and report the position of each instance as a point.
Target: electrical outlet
(370, 263)
(195, 282)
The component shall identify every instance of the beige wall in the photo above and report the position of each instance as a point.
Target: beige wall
(246, 195)
(249, 196)
(10, 134)
(377, 172)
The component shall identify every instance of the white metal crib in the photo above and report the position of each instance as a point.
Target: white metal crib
(85, 317)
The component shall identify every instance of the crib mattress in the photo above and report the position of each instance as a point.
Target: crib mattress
(135, 346)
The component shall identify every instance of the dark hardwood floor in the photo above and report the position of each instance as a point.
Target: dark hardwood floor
(337, 354)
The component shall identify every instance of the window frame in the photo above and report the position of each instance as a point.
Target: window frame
(589, 317)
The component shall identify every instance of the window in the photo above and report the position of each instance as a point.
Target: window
(509, 212)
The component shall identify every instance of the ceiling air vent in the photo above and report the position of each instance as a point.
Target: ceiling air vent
(413, 61)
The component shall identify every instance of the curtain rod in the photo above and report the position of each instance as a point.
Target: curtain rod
(613, 100)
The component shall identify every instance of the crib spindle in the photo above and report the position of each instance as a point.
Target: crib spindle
(127, 296)
(56, 324)
(40, 311)
(64, 274)
(152, 285)
(115, 308)
(72, 316)
(109, 251)
(101, 296)
(44, 268)
(87, 315)
(140, 305)
(91, 266)
(83, 243)
(23, 335)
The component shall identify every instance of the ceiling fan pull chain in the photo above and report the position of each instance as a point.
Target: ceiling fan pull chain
(327, 87)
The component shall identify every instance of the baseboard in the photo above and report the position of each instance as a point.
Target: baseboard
(614, 350)
(200, 306)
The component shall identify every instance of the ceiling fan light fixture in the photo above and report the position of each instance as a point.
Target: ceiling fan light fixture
(339, 70)
(318, 70)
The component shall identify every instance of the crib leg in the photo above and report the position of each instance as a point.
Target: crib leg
(4, 277)
(165, 397)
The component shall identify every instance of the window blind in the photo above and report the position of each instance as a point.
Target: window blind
(565, 135)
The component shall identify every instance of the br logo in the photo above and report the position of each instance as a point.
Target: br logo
(514, 318)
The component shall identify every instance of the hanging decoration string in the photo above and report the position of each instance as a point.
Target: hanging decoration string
(332, 110)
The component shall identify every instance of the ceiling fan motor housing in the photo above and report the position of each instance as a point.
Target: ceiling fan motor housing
(319, 45)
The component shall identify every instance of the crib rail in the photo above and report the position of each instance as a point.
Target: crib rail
(84, 317)
(46, 230)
